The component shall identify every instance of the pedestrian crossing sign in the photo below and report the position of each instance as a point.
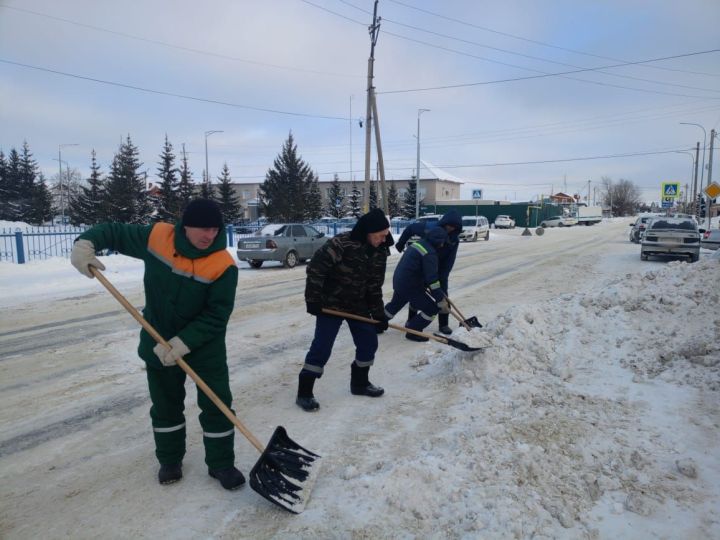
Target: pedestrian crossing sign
(671, 190)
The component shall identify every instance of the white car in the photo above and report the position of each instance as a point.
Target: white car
(678, 237)
(504, 222)
(555, 221)
(474, 227)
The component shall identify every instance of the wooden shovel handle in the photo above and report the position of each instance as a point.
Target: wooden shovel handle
(373, 321)
(182, 363)
(459, 316)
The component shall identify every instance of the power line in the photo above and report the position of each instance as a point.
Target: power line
(563, 73)
(542, 43)
(178, 47)
(171, 94)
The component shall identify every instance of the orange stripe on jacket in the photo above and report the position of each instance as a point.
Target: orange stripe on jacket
(206, 269)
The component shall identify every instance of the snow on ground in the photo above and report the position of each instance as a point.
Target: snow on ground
(593, 414)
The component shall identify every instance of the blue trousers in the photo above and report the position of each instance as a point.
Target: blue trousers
(326, 329)
(419, 301)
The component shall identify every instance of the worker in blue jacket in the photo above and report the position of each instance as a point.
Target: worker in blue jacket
(452, 223)
(417, 281)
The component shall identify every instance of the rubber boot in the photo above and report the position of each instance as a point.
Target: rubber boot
(305, 399)
(444, 323)
(359, 383)
(230, 478)
(170, 473)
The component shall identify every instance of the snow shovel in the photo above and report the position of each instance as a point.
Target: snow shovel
(472, 322)
(285, 472)
(440, 339)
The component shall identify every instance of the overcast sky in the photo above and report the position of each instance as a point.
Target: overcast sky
(259, 69)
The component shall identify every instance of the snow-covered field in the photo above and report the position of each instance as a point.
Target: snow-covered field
(593, 414)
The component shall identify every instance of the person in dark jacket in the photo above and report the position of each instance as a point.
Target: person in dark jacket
(347, 274)
(452, 223)
(417, 280)
(190, 282)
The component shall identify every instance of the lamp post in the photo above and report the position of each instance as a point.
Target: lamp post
(417, 169)
(692, 168)
(702, 168)
(207, 171)
(62, 199)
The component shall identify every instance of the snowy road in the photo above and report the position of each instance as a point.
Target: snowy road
(458, 446)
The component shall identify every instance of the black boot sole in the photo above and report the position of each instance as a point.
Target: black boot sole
(374, 391)
(307, 404)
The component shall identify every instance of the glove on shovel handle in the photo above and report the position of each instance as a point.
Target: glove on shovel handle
(182, 363)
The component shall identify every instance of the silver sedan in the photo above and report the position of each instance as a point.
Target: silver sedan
(288, 243)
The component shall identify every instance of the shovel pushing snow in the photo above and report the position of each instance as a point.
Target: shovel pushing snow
(469, 323)
(285, 472)
(440, 339)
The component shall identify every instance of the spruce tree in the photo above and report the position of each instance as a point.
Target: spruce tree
(42, 201)
(373, 199)
(4, 193)
(408, 209)
(186, 188)
(89, 206)
(26, 186)
(313, 202)
(393, 203)
(167, 200)
(336, 206)
(207, 191)
(287, 194)
(227, 200)
(355, 204)
(11, 206)
(126, 193)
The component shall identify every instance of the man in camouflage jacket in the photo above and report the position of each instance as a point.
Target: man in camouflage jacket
(347, 274)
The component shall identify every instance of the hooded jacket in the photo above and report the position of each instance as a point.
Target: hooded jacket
(189, 293)
(447, 254)
(347, 273)
(418, 267)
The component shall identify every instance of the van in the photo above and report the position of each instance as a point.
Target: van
(474, 227)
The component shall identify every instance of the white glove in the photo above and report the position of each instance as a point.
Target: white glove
(444, 306)
(169, 357)
(83, 255)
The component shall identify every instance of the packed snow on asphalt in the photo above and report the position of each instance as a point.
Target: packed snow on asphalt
(593, 411)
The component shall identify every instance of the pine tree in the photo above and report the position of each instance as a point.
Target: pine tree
(336, 206)
(42, 201)
(28, 177)
(89, 206)
(288, 187)
(167, 200)
(393, 203)
(313, 202)
(354, 205)
(227, 200)
(11, 206)
(126, 193)
(373, 199)
(408, 209)
(4, 193)
(186, 189)
(207, 191)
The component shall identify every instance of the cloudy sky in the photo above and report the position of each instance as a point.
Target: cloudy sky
(521, 94)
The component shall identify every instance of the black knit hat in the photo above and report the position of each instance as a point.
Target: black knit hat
(373, 221)
(202, 213)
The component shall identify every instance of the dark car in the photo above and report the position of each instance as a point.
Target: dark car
(288, 243)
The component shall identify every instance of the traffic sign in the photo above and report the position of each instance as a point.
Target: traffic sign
(713, 190)
(667, 202)
(671, 189)
(477, 193)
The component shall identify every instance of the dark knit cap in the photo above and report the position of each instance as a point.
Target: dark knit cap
(372, 222)
(202, 213)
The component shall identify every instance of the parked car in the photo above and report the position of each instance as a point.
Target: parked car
(429, 218)
(710, 239)
(569, 221)
(288, 243)
(554, 221)
(474, 227)
(638, 227)
(678, 237)
(504, 222)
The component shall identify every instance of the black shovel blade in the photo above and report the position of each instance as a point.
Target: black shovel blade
(285, 472)
(473, 322)
(457, 344)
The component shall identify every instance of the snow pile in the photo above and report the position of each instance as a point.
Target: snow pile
(520, 440)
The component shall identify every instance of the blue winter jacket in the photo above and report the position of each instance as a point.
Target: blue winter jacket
(446, 254)
(418, 267)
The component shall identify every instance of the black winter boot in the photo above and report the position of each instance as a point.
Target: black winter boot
(411, 313)
(230, 478)
(359, 383)
(170, 473)
(444, 323)
(305, 399)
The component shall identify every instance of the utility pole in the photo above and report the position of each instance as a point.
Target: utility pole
(588, 199)
(709, 176)
(381, 164)
(351, 128)
(374, 30)
(695, 184)
(417, 170)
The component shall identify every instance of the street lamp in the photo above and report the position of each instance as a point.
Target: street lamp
(692, 168)
(62, 200)
(207, 171)
(417, 169)
(702, 169)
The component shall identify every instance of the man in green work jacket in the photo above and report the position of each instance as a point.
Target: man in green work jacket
(190, 282)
